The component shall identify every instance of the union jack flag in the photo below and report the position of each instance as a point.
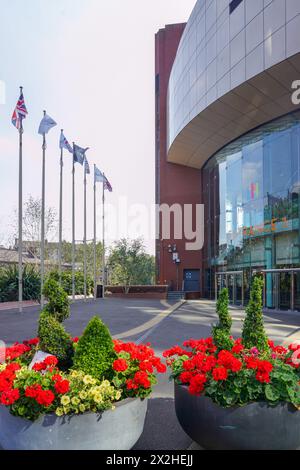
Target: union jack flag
(19, 113)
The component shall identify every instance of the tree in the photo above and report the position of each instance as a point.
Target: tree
(254, 334)
(222, 331)
(32, 214)
(129, 264)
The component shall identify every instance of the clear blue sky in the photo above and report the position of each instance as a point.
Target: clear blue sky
(90, 64)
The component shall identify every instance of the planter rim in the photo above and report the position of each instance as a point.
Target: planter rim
(240, 406)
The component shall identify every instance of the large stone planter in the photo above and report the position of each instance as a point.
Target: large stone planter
(256, 426)
(117, 429)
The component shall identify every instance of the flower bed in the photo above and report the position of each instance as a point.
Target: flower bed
(238, 376)
(45, 388)
(74, 377)
(243, 388)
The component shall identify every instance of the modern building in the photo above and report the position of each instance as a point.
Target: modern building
(228, 137)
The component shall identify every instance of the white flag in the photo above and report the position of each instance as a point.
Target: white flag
(46, 124)
(64, 144)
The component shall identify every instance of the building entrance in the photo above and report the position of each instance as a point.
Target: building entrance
(234, 281)
(282, 289)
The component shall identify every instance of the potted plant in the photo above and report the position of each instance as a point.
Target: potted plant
(242, 393)
(63, 393)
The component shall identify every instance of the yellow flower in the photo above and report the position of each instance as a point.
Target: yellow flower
(66, 410)
(82, 395)
(98, 398)
(59, 411)
(105, 383)
(65, 400)
(88, 380)
(118, 395)
(82, 408)
(75, 401)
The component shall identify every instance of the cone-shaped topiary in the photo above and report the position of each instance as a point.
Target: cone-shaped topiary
(94, 352)
(55, 340)
(254, 334)
(58, 302)
(53, 337)
(225, 320)
(221, 332)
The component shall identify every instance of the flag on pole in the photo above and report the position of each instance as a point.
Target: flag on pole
(46, 124)
(107, 185)
(79, 154)
(86, 166)
(19, 113)
(98, 175)
(64, 144)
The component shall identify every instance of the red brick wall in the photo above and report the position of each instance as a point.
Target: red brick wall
(174, 183)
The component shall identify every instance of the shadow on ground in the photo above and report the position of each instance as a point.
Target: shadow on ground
(162, 430)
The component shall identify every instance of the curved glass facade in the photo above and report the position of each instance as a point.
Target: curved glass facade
(251, 193)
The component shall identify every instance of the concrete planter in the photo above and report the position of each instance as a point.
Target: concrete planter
(117, 429)
(256, 426)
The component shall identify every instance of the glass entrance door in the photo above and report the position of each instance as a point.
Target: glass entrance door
(235, 285)
(297, 291)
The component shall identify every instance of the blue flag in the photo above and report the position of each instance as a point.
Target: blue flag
(79, 154)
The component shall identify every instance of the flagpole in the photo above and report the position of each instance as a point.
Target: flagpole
(43, 220)
(73, 227)
(103, 238)
(84, 236)
(60, 212)
(20, 242)
(95, 241)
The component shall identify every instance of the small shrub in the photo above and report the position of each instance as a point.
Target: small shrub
(94, 352)
(66, 282)
(58, 302)
(9, 283)
(254, 334)
(55, 340)
(222, 331)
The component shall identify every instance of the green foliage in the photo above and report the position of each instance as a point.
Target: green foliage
(222, 338)
(9, 283)
(222, 331)
(129, 264)
(225, 320)
(66, 282)
(53, 337)
(254, 334)
(58, 303)
(94, 352)
(55, 340)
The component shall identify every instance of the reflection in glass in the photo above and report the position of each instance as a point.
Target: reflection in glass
(251, 194)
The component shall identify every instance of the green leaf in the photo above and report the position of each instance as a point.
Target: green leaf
(271, 393)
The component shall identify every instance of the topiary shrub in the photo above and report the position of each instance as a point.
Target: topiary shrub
(222, 331)
(55, 340)
(53, 337)
(94, 352)
(254, 334)
(58, 302)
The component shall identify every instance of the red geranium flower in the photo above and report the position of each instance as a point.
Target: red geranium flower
(62, 386)
(45, 398)
(197, 384)
(220, 373)
(120, 365)
(8, 397)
